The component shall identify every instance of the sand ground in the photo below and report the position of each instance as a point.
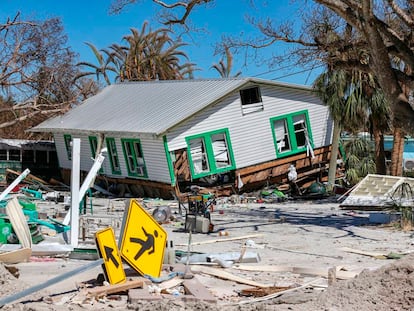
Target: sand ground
(303, 234)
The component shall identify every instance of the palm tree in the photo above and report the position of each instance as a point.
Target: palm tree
(104, 65)
(354, 99)
(332, 87)
(225, 69)
(147, 55)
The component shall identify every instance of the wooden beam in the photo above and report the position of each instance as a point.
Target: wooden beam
(112, 289)
(225, 275)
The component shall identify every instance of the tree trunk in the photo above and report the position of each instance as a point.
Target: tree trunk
(380, 167)
(397, 152)
(334, 155)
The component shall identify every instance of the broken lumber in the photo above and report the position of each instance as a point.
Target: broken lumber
(19, 223)
(225, 275)
(224, 240)
(365, 253)
(343, 275)
(199, 291)
(112, 289)
(16, 256)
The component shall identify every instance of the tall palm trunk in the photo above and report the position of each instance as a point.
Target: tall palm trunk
(334, 154)
(397, 152)
(379, 149)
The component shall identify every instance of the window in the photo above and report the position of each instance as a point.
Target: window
(292, 133)
(113, 156)
(251, 100)
(14, 155)
(68, 145)
(134, 157)
(210, 153)
(93, 143)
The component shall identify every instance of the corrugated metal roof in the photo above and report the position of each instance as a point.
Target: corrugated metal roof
(146, 107)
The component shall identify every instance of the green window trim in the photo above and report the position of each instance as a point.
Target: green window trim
(210, 155)
(290, 142)
(68, 139)
(134, 157)
(113, 156)
(169, 161)
(93, 144)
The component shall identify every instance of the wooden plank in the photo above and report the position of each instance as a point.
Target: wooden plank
(19, 223)
(198, 290)
(343, 275)
(365, 253)
(16, 256)
(170, 283)
(112, 289)
(224, 239)
(225, 275)
(277, 162)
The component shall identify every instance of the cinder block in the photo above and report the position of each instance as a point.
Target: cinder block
(198, 290)
(137, 294)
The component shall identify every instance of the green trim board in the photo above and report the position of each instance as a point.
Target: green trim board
(134, 157)
(210, 153)
(93, 144)
(68, 140)
(291, 133)
(113, 156)
(169, 161)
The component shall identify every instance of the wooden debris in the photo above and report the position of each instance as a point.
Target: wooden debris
(225, 275)
(112, 289)
(19, 223)
(263, 291)
(16, 256)
(365, 253)
(199, 291)
(343, 275)
(170, 284)
(224, 239)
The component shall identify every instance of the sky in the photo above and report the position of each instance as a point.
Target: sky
(89, 21)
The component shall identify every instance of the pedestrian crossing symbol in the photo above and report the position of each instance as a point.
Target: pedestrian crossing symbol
(143, 241)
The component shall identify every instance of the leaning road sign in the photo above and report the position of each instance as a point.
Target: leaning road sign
(108, 250)
(143, 241)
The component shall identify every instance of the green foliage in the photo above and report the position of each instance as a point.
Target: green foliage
(360, 160)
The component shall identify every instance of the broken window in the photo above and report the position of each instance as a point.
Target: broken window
(251, 100)
(210, 153)
(220, 150)
(113, 156)
(134, 157)
(68, 145)
(292, 133)
(199, 155)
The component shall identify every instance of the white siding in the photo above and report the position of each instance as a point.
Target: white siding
(251, 134)
(153, 150)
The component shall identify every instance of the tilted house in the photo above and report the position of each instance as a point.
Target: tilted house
(236, 131)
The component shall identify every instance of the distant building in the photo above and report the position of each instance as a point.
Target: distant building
(39, 156)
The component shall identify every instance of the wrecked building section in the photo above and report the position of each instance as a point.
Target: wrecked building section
(39, 156)
(231, 134)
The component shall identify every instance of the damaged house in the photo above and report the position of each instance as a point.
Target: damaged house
(162, 136)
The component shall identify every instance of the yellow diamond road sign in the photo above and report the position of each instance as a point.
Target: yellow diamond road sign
(108, 250)
(143, 241)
